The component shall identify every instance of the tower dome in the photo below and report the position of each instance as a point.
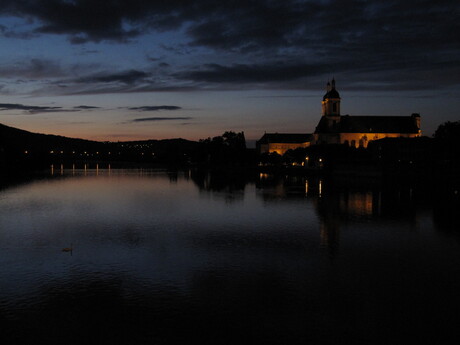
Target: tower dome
(331, 94)
(331, 100)
(331, 91)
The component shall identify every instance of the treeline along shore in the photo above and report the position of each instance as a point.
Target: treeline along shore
(28, 151)
(424, 156)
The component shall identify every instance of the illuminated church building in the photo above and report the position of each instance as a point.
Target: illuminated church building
(334, 128)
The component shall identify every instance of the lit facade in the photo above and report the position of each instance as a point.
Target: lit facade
(282, 142)
(334, 128)
(358, 131)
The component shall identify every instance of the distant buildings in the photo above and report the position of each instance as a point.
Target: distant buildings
(333, 128)
(280, 143)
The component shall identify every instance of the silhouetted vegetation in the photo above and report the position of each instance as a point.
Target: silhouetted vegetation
(23, 149)
(227, 150)
(447, 138)
(421, 156)
(448, 131)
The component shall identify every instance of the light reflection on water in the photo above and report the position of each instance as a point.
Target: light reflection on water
(170, 258)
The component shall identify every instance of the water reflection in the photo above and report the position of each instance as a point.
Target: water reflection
(341, 202)
(176, 257)
(227, 185)
(336, 201)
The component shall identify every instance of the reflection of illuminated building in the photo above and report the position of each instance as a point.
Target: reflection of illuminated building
(349, 204)
(284, 187)
(329, 231)
(358, 204)
(335, 208)
(342, 202)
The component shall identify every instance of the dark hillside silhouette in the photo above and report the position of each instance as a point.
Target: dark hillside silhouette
(23, 148)
(19, 148)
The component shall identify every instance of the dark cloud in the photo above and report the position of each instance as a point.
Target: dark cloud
(414, 73)
(90, 51)
(29, 108)
(239, 23)
(79, 88)
(85, 107)
(255, 24)
(109, 20)
(156, 108)
(9, 33)
(33, 109)
(82, 20)
(126, 77)
(245, 73)
(271, 41)
(153, 119)
(33, 69)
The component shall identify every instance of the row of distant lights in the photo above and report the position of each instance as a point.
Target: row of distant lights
(84, 153)
(320, 160)
(308, 158)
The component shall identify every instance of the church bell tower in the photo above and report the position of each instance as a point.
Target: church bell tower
(331, 101)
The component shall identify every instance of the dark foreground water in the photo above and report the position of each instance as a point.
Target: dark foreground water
(186, 258)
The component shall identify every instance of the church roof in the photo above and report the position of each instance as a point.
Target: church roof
(333, 93)
(369, 124)
(288, 138)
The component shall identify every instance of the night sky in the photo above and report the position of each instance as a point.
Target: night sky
(138, 69)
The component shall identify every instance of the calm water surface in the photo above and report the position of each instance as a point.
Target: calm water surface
(183, 258)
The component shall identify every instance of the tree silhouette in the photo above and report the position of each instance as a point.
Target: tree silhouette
(448, 131)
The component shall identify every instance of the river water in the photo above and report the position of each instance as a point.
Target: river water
(148, 257)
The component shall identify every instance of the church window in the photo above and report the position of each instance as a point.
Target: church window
(334, 107)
